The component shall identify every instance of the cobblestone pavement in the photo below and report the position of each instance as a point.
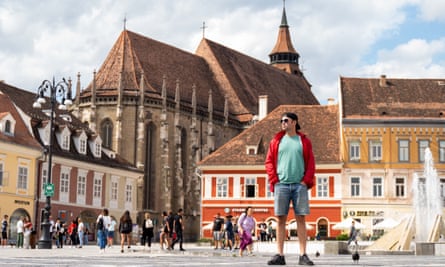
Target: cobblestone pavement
(193, 256)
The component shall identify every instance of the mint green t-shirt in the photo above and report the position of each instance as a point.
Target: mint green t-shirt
(290, 160)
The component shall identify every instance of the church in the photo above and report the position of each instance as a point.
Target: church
(164, 109)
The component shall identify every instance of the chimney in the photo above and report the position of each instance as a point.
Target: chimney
(331, 101)
(262, 109)
(382, 81)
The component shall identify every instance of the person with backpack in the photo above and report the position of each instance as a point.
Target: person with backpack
(101, 221)
(125, 228)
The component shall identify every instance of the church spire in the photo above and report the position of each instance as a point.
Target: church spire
(283, 55)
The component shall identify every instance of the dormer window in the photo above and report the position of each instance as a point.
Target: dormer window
(83, 146)
(96, 146)
(63, 137)
(7, 124)
(251, 150)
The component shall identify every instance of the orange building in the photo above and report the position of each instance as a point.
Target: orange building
(233, 177)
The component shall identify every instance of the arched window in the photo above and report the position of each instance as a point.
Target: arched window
(106, 133)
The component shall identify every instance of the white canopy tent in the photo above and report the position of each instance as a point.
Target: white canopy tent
(346, 224)
(293, 226)
(386, 224)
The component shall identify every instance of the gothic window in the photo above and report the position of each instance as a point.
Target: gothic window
(106, 133)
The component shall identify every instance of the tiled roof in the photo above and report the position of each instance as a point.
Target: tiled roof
(244, 78)
(390, 98)
(24, 101)
(214, 67)
(319, 123)
(21, 136)
(155, 59)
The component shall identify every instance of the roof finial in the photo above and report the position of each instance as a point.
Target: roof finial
(125, 22)
(203, 29)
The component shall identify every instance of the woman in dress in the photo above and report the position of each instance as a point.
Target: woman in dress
(246, 224)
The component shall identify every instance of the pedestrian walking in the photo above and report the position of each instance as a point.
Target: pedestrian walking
(81, 232)
(101, 229)
(4, 230)
(125, 229)
(246, 224)
(178, 227)
(20, 232)
(147, 230)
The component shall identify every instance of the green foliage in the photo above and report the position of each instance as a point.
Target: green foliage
(342, 237)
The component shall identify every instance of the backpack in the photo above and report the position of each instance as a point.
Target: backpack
(100, 224)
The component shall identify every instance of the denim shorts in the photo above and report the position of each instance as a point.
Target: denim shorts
(295, 193)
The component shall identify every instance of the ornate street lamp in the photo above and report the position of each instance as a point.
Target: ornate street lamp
(57, 92)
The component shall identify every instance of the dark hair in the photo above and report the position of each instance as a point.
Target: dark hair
(294, 117)
(247, 208)
(180, 210)
(106, 212)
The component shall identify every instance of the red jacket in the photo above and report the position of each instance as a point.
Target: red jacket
(272, 160)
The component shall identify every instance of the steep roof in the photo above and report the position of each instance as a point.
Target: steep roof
(243, 79)
(389, 98)
(22, 135)
(319, 123)
(24, 100)
(214, 67)
(134, 54)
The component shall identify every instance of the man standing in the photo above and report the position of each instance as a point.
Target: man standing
(178, 227)
(217, 230)
(20, 231)
(290, 166)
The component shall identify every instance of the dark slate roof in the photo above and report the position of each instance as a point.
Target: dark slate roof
(244, 78)
(24, 101)
(214, 67)
(402, 98)
(319, 123)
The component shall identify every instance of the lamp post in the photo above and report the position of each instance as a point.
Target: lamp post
(62, 91)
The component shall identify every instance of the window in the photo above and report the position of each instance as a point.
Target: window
(107, 133)
(322, 186)
(44, 179)
(400, 187)
(65, 142)
(442, 151)
(221, 187)
(128, 192)
(97, 188)
(442, 190)
(423, 144)
(355, 186)
(22, 181)
(83, 146)
(97, 149)
(8, 129)
(377, 187)
(114, 186)
(1, 174)
(354, 151)
(375, 150)
(404, 150)
(250, 187)
(81, 185)
(64, 182)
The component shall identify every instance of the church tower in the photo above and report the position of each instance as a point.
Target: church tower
(283, 55)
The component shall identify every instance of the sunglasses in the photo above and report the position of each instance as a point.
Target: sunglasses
(284, 120)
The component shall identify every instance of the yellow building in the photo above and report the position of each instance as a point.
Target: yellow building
(386, 126)
(19, 153)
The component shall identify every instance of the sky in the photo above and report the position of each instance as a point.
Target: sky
(351, 38)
